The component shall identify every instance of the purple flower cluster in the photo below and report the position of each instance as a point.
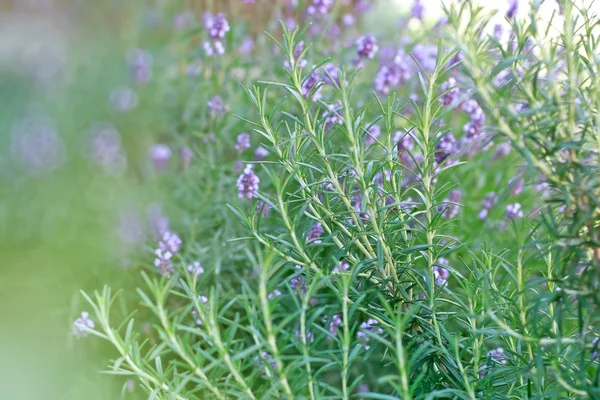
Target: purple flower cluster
(195, 269)
(160, 154)
(105, 150)
(334, 324)
(273, 294)
(497, 356)
(440, 273)
(335, 117)
(487, 204)
(341, 267)
(243, 142)
(513, 211)
(371, 325)
(366, 46)
(300, 62)
(474, 127)
(513, 7)
(196, 312)
(445, 148)
(247, 184)
(309, 84)
(216, 26)
(315, 233)
(169, 245)
(123, 99)
(82, 324)
(372, 135)
(451, 208)
(417, 10)
(394, 74)
(217, 106)
(140, 65)
(263, 208)
(37, 145)
(450, 92)
(319, 8)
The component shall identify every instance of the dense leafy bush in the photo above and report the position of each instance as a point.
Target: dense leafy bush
(385, 242)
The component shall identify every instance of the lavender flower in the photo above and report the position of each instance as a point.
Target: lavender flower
(243, 142)
(513, 6)
(247, 46)
(140, 65)
(195, 269)
(331, 75)
(341, 267)
(247, 184)
(366, 46)
(216, 26)
(450, 210)
(82, 324)
(267, 358)
(348, 19)
(309, 83)
(371, 325)
(260, 153)
(208, 49)
(417, 10)
(196, 312)
(517, 185)
(162, 262)
(160, 154)
(487, 204)
(497, 357)
(37, 145)
(186, 156)
(372, 135)
(426, 55)
(336, 322)
(440, 273)
(445, 148)
(300, 62)
(319, 8)
(451, 92)
(298, 284)
(334, 117)
(308, 337)
(216, 105)
(498, 32)
(273, 294)
(123, 99)
(315, 233)
(513, 211)
(263, 208)
(105, 148)
(170, 242)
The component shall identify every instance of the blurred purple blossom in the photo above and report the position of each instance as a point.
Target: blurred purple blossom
(162, 262)
(263, 208)
(217, 106)
(160, 154)
(487, 204)
(186, 156)
(513, 211)
(417, 10)
(372, 326)
(140, 65)
(243, 142)
(451, 92)
(82, 324)
(315, 233)
(366, 46)
(123, 99)
(440, 272)
(195, 269)
(319, 8)
(170, 242)
(309, 83)
(451, 207)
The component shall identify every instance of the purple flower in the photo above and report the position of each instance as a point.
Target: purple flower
(247, 184)
(216, 26)
(208, 49)
(426, 55)
(162, 262)
(372, 135)
(487, 204)
(186, 156)
(243, 142)
(123, 99)
(341, 267)
(216, 105)
(195, 269)
(445, 148)
(371, 325)
(196, 312)
(450, 210)
(140, 65)
(451, 92)
(263, 208)
(159, 224)
(247, 46)
(105, 148)
(315, 233)
(37, 145)
(319, 8)
(260, 153)
(160, 154)
(82, 324)
(392, 75)
(513, 6)
(498, 32)
(309, 83)
(366, 46)
(170, 242)
(300, 62)
(334, 117)
(440, 273)
(497, 357)
(417, 10)
(517, 185)
(298, 284)
(308, 337)
(267, 359)
(348, 19)
(331, 75)
(513, 211)
(273, 294)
